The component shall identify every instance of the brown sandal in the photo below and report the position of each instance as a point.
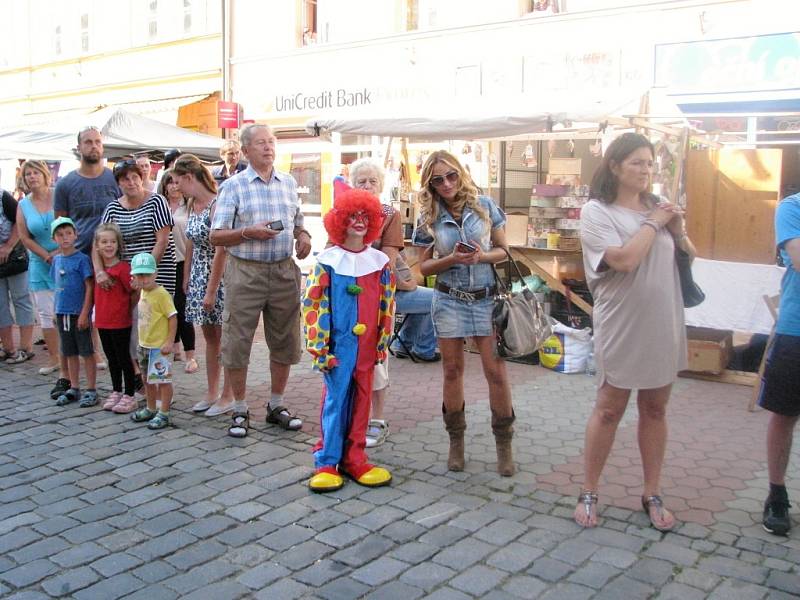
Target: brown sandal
(656, 502)
(589, 502)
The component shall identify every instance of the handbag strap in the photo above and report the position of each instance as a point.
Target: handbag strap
(507, 288)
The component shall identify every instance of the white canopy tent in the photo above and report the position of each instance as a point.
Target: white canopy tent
(462, 120)
(124, 133)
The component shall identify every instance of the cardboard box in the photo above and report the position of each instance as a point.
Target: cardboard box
(565, 166)
(568, 223)
(709, 349)
(543, 189)
(544, 202)
(548, 213)
(517, 230)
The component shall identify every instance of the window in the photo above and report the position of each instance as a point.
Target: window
(187, 16)
(152, 20)
(309, 22)
(84, 32)
(57, 40)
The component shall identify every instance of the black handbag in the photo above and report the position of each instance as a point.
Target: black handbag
(692, 294)
(520, 324)
(17, 262)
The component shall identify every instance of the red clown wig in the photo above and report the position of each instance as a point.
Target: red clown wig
(348, 204)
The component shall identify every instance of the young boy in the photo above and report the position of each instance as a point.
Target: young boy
(74, 282)
(158, 322)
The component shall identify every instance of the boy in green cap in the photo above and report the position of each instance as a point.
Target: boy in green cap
(74, 284)
(158, 322)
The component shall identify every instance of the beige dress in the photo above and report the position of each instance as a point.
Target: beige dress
(639, 330)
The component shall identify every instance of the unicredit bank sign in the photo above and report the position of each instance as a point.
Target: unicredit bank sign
(325, 99)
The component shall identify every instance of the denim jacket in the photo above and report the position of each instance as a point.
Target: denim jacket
(445, 232)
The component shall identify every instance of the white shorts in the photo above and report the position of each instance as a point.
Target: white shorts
(45, 307)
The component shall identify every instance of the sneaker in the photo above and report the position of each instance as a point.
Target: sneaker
(112, 400)
(202, 406)
(20, 356)
(377, 432)
(219, 409)
(776, 516)
(62, 385)
(88, 399)
(67, 398)
(125, 405)
(48, 370)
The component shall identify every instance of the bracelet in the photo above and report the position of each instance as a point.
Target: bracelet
(244, 237)
(652, 223)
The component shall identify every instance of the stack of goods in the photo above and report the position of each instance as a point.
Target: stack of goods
(555, 215)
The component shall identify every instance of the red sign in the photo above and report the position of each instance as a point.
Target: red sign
(228, 115)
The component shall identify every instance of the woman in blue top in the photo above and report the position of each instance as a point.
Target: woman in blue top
(34, 215)
(465, 234)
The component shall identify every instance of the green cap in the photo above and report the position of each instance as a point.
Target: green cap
(143, 264)
(58, 223)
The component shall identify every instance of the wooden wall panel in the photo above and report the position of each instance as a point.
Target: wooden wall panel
(731, 200)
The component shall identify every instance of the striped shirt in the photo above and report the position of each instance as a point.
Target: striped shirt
(139, 227)
(246, 199)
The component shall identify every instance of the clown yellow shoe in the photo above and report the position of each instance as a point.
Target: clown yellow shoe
(374, 477)
(326, 479)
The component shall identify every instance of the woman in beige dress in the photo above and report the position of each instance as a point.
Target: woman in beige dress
(629, 238)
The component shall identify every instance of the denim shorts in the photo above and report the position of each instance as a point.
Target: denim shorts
(454, 318)
(782, 377)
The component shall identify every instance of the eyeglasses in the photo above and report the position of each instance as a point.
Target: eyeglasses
(438, 180)
(124, 166)
(373, 181)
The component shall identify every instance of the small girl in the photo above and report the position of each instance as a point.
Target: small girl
(113, 317)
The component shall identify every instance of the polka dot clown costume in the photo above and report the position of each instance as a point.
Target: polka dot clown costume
(347, 314)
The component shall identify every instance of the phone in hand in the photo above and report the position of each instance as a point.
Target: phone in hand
(275, 225)
(465, 248)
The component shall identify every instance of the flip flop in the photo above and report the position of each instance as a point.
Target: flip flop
(655, 502)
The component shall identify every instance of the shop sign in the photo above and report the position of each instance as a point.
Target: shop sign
(334, 98)
(228, 115)
(766, 62)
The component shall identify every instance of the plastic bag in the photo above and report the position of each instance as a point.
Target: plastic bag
(567, 350)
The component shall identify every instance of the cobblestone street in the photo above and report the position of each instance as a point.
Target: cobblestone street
(93, 506)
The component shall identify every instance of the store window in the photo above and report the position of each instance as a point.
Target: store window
(57, 40)
(84, 32)
(187, 16)
(152, 20)
(307, 172)
(309, 22)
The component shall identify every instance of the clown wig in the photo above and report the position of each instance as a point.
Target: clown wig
(348, 204)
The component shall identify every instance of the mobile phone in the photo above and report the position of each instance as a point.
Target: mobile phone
(465, 248)
(275, 225)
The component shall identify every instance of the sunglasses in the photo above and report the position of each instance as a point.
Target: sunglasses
(124, 165)
(438, 180)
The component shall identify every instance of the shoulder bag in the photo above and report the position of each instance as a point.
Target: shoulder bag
(17, 262)
(521, 327)
(691, 292)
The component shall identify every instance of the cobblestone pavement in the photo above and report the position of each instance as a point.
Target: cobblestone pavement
(93, 506)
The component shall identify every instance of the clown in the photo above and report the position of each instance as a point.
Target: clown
(347, 315)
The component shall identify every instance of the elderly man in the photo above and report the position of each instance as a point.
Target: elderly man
(779, 392)
(231, 155)
(258, 218)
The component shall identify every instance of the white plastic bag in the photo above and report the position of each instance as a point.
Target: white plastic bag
(567, 350)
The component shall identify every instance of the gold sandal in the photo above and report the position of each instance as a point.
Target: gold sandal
(589, 501)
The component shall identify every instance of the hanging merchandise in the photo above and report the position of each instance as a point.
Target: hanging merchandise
(478, 153)
(551, 147)
(596, 149)
(467, 149)
(528, 157)
(492, 168)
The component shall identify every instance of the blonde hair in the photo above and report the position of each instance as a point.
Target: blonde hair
(110, 228)
(466, 196)
(36, 165)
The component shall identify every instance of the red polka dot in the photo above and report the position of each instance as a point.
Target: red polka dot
(311, 317)
(312, 333)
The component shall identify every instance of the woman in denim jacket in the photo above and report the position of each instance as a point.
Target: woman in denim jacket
(464, 233)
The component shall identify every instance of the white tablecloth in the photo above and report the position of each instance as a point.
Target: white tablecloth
(734, 295)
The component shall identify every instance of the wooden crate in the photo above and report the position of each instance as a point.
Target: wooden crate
(709, 349)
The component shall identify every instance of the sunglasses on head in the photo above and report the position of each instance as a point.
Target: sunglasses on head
(438, 180)
(125, 164)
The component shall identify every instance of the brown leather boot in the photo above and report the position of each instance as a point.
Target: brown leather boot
(455, 424)
(503, 430)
